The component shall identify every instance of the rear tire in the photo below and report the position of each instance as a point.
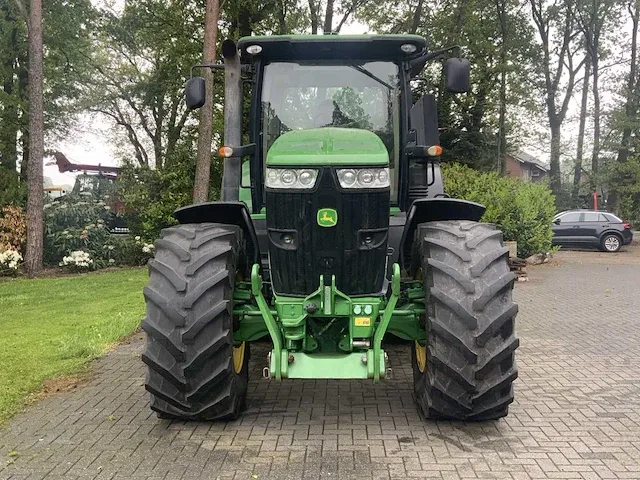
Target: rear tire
(466, 368)
(611, 243)
(194, 371)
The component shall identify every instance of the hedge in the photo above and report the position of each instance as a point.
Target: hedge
(524, 211)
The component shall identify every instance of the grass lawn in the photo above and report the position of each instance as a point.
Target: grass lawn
(51, 327)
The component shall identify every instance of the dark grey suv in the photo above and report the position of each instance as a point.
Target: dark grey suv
(589, 228)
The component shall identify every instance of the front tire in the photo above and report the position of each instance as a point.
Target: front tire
(466, 368)
(194, 370)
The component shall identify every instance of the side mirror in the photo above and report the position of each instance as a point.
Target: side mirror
(195, 93)
(557, 221)
(457, 72)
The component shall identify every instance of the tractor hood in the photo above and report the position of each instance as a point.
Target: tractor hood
(328, 146)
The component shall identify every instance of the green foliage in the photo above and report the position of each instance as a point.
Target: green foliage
(153, 195)
(622, 180)
(144, 56)
(469, 123)
(54, 326)
(68, 46)
(11, 190)
(524, 211)
(78, 222)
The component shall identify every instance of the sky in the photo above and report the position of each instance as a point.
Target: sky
(88, 143)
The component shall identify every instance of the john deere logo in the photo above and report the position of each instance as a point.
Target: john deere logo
(327, 217)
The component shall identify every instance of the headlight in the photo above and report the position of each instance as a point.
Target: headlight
(363, 177)
(291, 178)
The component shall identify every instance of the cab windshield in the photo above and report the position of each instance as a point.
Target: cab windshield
(361, 95)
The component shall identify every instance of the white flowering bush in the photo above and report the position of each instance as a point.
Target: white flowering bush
(77, 224)
(10, 261)
(77, 261)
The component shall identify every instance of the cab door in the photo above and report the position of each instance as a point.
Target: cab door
(590, 225)
(566, 229)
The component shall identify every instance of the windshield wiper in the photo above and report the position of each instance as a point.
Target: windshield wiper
(371, 75)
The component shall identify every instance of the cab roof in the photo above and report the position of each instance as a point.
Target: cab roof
(330, 47)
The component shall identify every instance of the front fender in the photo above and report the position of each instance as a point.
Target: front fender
(432, 210)
(228, 213)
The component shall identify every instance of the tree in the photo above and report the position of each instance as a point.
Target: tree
(501, 10)
(205, 130)
(346, 9)
(35, 204)
(144, 56)
(67, 44)
(10, 105)
(593, 17)
(632, 87)
(577, 168)
(558, 34)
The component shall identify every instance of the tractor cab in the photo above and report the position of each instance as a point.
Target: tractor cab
(330, 81)
(332, 128)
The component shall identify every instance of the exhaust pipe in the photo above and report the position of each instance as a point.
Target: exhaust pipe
(233, 99)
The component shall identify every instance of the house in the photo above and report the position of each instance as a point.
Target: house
(525, 166)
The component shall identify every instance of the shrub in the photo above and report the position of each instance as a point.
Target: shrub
(10, 261)
(77, 261)
(13, 228)
(524, 211)
(151, 196)
(77, 223)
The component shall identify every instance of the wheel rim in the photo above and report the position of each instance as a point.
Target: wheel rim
(611, 243)
(238, 357)
(421, 356)
(421, 350)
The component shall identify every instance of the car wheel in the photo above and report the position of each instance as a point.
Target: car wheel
(611, 243)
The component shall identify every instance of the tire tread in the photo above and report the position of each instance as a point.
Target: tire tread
(190, 373)
(471, 341)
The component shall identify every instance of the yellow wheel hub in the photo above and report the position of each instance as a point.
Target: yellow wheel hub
(421, 350)
(238, 357)
(421, 356)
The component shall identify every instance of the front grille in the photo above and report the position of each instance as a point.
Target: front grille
(341, 250)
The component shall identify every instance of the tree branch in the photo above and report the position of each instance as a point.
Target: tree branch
(23, 11)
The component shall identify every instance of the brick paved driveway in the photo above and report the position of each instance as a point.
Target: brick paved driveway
(577, 410)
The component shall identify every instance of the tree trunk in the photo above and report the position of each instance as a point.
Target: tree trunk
(596, 121)
(577, 169)
(554, 162)
(460, 18)
(282, 18)
(244, 24)
(205, 129)
(502, 134)
(565, 69)
(23, 94)
(417, 15)
(502, 127)
(328, 17)
(632, 85)
(313, 13)
(35, 203)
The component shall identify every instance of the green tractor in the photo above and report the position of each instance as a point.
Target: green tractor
(333, 231)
